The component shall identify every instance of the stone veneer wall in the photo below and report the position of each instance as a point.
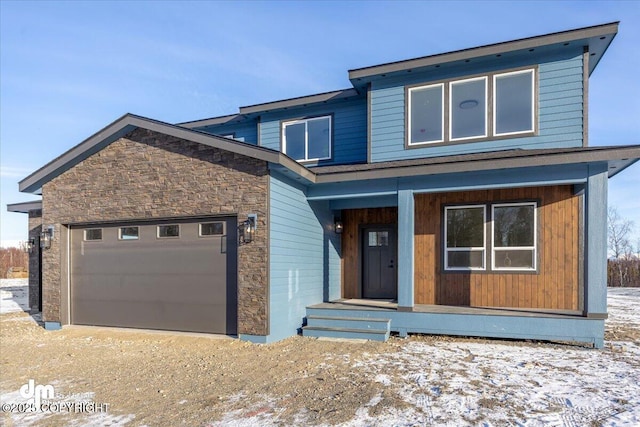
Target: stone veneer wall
(35, 227)
(147, 175)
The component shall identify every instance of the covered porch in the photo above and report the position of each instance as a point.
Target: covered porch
(371, 319)
(526, 305)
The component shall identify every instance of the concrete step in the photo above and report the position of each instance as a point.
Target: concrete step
(349, 333)
(349, 322)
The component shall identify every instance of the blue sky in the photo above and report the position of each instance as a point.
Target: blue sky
(67, 69)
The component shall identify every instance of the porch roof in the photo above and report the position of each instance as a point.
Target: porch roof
(617, 158)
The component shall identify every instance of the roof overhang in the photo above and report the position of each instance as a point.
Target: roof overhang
(596, 38)
(617, 159)
(127, 123)
(214, 121)
(25, 207)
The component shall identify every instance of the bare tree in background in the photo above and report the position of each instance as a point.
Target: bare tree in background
(624, 265)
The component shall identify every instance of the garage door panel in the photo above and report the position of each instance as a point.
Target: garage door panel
(154, 316)
(186, 283)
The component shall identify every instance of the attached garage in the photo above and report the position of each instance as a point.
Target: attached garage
(167, 274)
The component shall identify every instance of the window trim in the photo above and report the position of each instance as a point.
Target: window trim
(306, 120)
(486, 109)
(128, 239)
(442, 132)
(489, 113)
(446, 249)
(158, 236)
(533, 101)
(515, 248)
(208, 236)
(92, 240)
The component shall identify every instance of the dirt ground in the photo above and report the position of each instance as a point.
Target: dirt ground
(170, 379)
(174, 379)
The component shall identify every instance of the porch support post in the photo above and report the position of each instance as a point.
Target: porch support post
(405, 249)
(595, 270)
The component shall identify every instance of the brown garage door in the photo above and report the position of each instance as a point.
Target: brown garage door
(172, 275)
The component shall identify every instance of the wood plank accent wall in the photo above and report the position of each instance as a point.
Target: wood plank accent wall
(351, 221)
(554, 286)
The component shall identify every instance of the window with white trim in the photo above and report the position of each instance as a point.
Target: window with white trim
(92, 234)
(471, 113)
(211, 229)
(513, 109)
(464, 236)
(307, 139)
(513, 242)
(129, 233)
(468, 109)
(426, 123)
(513, 236)
(171, 231)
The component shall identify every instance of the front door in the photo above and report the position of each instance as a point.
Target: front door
(379, 269)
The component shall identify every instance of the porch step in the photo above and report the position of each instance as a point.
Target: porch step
(347, 327)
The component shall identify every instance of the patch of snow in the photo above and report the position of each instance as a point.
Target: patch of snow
(55, 410)
(14, 295)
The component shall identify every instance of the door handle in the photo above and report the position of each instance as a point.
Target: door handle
(391, 265)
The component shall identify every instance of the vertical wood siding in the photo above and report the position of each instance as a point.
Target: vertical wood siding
(555, 286)
(351, 220)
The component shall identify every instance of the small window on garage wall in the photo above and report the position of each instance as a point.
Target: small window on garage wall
(168, 231)
(208, 229)
(129, 233)
(91, 234)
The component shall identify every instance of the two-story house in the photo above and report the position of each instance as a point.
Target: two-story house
(449, 194)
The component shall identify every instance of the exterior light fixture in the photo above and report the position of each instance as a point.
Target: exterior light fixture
(29, 245)
(248, 229)
(468, 104)
(337, 226)
(46, 236)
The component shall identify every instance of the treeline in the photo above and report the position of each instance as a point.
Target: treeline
(623, 272)
(12, 257)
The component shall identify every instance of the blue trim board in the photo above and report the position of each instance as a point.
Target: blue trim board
(52, 326)
(459, 181)
(596, 240)
(406, 237)
(574, 329)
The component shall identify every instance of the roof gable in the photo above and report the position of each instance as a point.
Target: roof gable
(127, 123)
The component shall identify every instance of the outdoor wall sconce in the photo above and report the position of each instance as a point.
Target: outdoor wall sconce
(248, 229)
(29, 245)
(46, 237)
(337, 225)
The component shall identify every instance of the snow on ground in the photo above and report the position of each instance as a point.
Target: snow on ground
(453, 382)
(14, 295)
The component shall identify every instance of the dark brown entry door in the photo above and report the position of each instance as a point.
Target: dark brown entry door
(379, 275)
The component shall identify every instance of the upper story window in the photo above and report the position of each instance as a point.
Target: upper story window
(307, 139)
(482, 107)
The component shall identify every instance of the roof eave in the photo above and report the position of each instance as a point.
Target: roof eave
(24, 207)
(487, 50)
(624, 157)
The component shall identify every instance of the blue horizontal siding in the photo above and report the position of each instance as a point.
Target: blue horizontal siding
(560, 118)
(303, 259)
(349, 129)
(246, 131)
